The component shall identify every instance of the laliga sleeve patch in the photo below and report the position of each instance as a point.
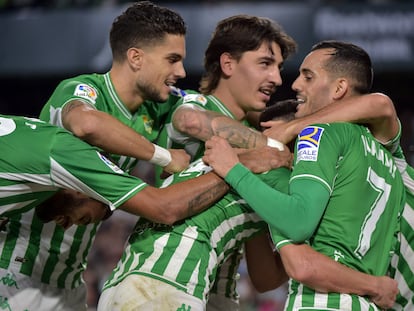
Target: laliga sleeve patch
(197, 98)
(110, 164)
(308, 144)
(87, 92)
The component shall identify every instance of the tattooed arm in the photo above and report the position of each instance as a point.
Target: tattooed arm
(203, 124)
(175, 202)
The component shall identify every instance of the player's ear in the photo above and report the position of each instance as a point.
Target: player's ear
(227, 64)
(341, 88)
(135, 58)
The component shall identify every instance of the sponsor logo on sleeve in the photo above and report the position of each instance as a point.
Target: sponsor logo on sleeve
(308, 144)
(86, 91)
(110, 164)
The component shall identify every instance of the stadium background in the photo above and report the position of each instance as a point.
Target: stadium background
(43, 42)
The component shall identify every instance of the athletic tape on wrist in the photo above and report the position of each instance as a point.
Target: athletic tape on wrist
(275, 143)
(161, 156)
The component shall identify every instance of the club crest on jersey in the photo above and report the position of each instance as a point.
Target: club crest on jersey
(86, 91)
(110, 164)
(198, 98)
(308, 144)
(148, 124)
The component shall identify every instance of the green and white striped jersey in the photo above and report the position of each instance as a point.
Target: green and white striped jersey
(402, 264)
(50, 254)
(225, 283)
(35, 164)
(36, 160)
(187, 254)
(361, 174)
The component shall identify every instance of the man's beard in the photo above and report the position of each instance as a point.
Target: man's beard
(150, 93)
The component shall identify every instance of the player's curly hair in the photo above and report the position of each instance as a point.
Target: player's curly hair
(236, 35)
(143, 24)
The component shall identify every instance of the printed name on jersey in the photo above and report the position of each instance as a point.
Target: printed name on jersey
(308, 143)
(86, 91)
(110, 164)
(373, 148)
(198, 98)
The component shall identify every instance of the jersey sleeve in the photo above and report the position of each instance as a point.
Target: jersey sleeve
(294, 215)
(66, 91)
(76, 165)
(189, 101)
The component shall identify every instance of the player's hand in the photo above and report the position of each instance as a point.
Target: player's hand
(220, 155)
(266, 158)
(387, 292)
(179, 161)
(279, 130)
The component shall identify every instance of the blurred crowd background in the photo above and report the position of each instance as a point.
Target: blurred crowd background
(45, 41)
(63, 4)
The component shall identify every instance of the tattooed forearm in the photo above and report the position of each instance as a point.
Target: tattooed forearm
(204, 124)
(241, 137)
(207, 198)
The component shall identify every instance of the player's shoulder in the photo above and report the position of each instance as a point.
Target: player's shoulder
(194, 98)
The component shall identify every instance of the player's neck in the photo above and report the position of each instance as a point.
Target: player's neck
(126, 90)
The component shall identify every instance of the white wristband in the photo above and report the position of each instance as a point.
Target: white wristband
(161, 156)
(275, 143)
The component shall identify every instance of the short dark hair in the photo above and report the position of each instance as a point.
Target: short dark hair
(280, 110)
(143, 24)
(62, 202)
(236, 35)
(349, 60)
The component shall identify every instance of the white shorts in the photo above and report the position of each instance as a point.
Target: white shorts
(19, 292)
(141, 293)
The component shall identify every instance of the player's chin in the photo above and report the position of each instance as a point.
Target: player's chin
(301, 111)
(164, 94)
(260, 105)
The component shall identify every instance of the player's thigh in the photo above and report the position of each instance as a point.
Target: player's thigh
(140, 293)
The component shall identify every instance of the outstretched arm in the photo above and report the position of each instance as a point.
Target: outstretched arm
(376, 110)
(322, 273)
(106, 132)
(178, 201)
(203, 124)
(315, 270)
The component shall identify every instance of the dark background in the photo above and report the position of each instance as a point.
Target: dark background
(44, 42)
